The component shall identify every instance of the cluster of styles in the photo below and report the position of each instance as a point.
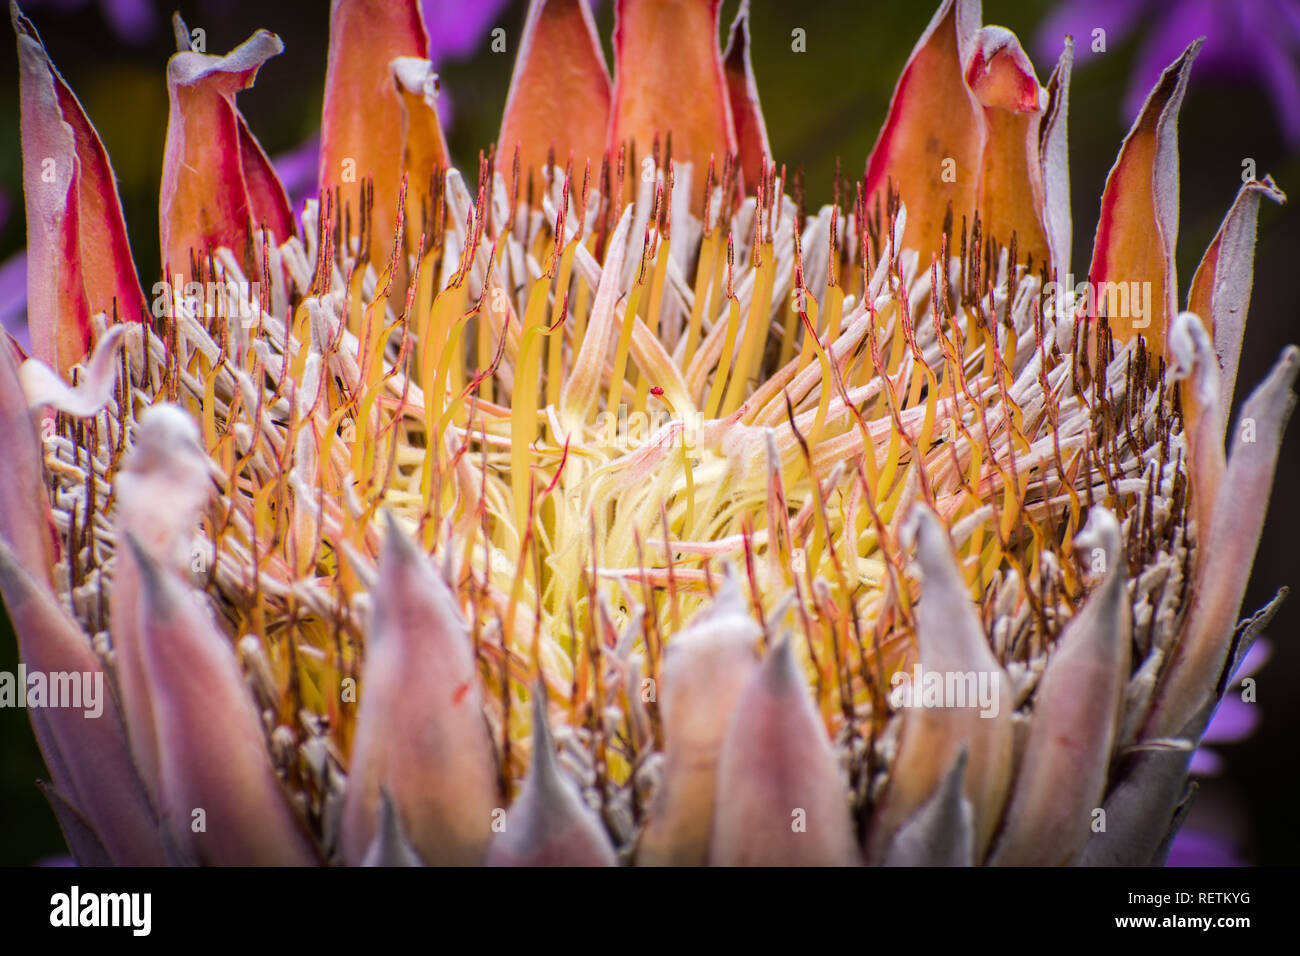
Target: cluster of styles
(371, 584)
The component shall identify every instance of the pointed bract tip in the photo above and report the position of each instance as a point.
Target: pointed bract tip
(942, 831)
(942, 585)
(1102, 530)
(390, 846)
(728, 599)
(398, 547)
(781, 670)
(549, 823)
(167, 436)
(181, 32)
(923, 529)
(781, 796)
(543, 765)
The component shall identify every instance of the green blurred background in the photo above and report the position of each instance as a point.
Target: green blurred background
(826, 103)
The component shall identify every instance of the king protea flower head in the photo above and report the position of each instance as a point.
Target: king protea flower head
(607, 503)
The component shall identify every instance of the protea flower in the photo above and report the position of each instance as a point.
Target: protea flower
(607, 504)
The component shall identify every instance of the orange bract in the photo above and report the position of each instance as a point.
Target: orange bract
(613, 508)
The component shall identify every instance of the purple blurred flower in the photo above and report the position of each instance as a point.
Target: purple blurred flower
(297, 170)
(456, 27)
(1235, 720)
(1256, 41)
(13, 298)
(134, 21)
(1195, 848)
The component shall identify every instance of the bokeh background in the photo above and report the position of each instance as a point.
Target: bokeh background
(820, 105)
